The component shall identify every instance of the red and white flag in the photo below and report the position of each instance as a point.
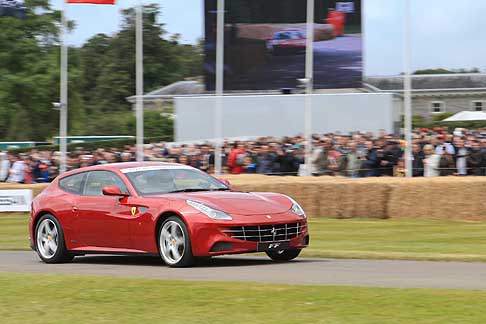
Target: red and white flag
(101, 2)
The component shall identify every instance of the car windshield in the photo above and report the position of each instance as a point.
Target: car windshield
(162, 181)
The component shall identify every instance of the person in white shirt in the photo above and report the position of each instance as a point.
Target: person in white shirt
(17, 171)
(431, 162)
(4, 166)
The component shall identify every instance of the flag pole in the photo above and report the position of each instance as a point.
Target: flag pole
(63, 91)
(309, 76)
(218, 112)
(139, 79)
(407, 93)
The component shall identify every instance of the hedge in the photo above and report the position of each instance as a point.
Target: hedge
(118, 144)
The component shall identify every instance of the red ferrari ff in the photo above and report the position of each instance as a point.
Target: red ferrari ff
(172, 210)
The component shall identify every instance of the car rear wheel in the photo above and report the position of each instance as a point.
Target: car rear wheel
(283, 255)
(49, 239)
(175, 243)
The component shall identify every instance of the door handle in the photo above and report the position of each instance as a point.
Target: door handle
(74, 209)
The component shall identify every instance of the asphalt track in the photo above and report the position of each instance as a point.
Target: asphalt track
(337, 64)
(336, 272)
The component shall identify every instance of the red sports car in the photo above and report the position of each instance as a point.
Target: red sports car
(169, 209)
(286, 41)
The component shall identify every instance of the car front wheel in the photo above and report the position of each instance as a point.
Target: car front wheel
(175, 243)
(49, 239)
(283, 255)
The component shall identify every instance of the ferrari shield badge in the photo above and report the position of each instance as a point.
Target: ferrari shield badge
(134, 211)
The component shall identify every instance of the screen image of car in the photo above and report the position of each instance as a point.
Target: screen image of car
(286, 41)
(171, 210)
(264, 43)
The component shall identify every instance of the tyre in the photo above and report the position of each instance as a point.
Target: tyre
(283, 255)
(49, 241)
(175, 243)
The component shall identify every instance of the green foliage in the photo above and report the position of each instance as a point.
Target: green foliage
(101, 75)
(118, 144)
(444, 71)
(437, 118)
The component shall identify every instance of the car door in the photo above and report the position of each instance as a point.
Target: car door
(103, 221)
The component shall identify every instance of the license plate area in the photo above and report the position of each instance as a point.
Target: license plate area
(272, 246)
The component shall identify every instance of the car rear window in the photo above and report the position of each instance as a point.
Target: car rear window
(73, 184)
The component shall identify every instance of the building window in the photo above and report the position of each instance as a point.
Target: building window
(437, 106)
(478, 105)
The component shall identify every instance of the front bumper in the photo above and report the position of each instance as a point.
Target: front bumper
(210, 239)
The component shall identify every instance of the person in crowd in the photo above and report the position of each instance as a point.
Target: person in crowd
(320, 159)
(399, 168)
(475, 159)
(430, 161)
(461, 157)
(17, 171)
(335, 161)
(288, 162)
(437, 151)
(266, 161)
(207, 159)
(236, 159)
(447, 164)
(417, 161)
(353, 161)
(4, 166)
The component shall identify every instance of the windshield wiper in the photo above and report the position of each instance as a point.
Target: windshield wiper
(198, 189)
(189, 190)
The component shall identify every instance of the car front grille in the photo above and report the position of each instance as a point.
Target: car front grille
(266, 233)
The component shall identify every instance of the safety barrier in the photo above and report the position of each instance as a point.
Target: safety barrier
(385, 197)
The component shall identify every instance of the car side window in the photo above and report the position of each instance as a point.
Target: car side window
(97, 180)
(73, 184)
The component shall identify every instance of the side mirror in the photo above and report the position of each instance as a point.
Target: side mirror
(114, 191)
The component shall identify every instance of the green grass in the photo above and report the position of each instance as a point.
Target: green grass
(14, 231)
(407, 239)
(74, 299)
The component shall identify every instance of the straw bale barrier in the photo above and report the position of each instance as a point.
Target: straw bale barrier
(442, 197)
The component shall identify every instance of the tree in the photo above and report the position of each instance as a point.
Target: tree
(101, 74)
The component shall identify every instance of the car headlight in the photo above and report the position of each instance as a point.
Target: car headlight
(296, 209)
(210, 212)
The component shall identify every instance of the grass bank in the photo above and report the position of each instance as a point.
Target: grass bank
(404, 239)
(74, 299)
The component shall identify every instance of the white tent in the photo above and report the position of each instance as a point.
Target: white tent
(467, 116)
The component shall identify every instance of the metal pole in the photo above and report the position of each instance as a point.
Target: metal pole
(64, 91)
(139, 79)
(407, 84)
(218, 111)
(309, 75)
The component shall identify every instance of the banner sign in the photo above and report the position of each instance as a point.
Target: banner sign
(15, 200)
(347, 7)
(12, 8)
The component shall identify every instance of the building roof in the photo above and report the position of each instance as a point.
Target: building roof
(179, 88)
(443, 82)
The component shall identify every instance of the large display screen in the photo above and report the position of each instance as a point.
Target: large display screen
(265, 44)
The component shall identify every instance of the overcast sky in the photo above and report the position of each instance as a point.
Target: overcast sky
(445, 33)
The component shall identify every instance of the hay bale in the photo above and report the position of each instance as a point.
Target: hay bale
(448, 197)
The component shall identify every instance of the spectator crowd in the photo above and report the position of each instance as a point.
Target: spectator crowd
(436, 152)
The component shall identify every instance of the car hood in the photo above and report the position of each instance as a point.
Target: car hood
(241, 203)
